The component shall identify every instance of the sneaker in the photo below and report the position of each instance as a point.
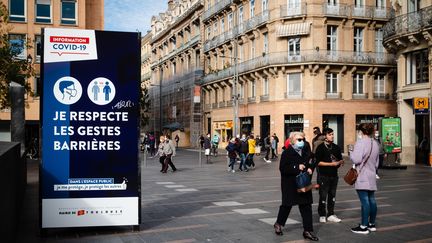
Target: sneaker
(333, 218)
(360, 229)
(265, 160)
(229, 169)
(268, 161)
(371, 227)
(323, 219)
(377, 176)
(233, 171)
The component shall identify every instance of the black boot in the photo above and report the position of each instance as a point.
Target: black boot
(310, 236)
(278, 229)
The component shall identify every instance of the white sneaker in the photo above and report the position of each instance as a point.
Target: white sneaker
(333, 218)
(323, 219)
(268, 161)
(233, 171)
(229, 169)
(377, 176)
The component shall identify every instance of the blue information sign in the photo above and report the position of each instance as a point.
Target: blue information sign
(90, 129)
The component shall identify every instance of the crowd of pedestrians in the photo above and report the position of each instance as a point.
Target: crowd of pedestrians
(325, 157)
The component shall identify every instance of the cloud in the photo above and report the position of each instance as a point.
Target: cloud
(132, 15)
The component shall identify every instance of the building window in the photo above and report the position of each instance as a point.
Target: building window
(358, 39)
(413, 5)
(331, 83)
(294, 83)
(417, 67)
(230, 21)
(68, 12)
(208, 32)
(265, 35)
(240, 13)
(331, 38)
(294, 47)
(241, 91)
(359, 3)
(252, 8)
(222, 25)
(379, 84)
(17, 10)
(332, 2)
(38, 48)
(174, 68)
(252, 89)
(216, 96)
(43, 11)
(265, 86)
(215, 29)
(17, 45)
(252, 54)
(241, 52)
(358, 84)
(380, 4)
(264, 5)
(37, 86)
(379, 41)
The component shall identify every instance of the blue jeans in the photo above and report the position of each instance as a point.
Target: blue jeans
(232, 163)
(368, 206)
(242, 161)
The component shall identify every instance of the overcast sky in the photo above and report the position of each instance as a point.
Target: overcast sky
(132, 15)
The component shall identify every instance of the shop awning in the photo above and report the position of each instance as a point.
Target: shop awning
(293, 29)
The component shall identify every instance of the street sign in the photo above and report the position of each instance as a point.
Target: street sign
(90, 131)
(421, 105)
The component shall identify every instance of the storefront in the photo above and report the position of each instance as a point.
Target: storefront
(374, 119)
(293, 123)
(224, 130)
(246, 125)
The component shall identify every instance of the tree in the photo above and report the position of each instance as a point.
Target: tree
(12, 67)
(144, 105)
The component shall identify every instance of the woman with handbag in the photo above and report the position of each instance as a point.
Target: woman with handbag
(294, 160)
(365, 157)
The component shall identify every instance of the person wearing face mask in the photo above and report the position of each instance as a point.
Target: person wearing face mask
(328, 157)
(294, 160)
(365, 157)
(207, 147)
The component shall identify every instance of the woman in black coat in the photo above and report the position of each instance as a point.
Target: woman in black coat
(294, 160)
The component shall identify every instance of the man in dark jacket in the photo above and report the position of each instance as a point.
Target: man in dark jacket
(328, 157)
(207, 147)
(232, 154)
(243, 152)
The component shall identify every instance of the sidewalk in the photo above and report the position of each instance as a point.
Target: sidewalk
(209, 204)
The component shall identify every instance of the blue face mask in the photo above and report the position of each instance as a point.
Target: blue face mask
(300, 144)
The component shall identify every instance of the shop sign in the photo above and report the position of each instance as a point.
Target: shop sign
(391, 135)
(421, 106)
(223, 125)
(294, 120)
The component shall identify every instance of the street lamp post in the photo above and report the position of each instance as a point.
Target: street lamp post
(235, 96)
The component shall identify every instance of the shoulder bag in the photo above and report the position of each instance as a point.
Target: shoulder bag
(303, 182)
(352, 174)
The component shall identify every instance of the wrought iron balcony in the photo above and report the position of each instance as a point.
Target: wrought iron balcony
(207, 107)
(408, 23)
(146, 76)
(333, 95)
(178, 50)
(251, 99)
(305, 57)
(229, 103)
(264, 98)
(214, 106)
(293, 10)
(341, 10)
(220, 5)
(360, 96)
(382, 96)
(221, 104)
(293, 95)
(145, 57)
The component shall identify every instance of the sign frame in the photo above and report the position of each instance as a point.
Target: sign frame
(390, 129)
(132, 131)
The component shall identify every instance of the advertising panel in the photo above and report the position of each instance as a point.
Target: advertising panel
(90, 131)
(391, 135)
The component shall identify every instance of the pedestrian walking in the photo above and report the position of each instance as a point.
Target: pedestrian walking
(294, 160)
(381, 152)
(215, 144)
(169, 150)
(232, 154)
(365, 158)
(152, 144)
(318, 139)
(276, 139)
(267, 145)
(251, 145)
(328, 157)
(258, 145)
(177, 139)
(207, 147)
(424, 150)
(274, 143)
(160, 152)
(243, 153)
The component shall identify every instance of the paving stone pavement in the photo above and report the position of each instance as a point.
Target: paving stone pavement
(209, 204)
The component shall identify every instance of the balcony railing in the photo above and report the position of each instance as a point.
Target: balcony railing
(216, 8)
(221, 104)
(146, 76)
(237, 30)
(264, 98)
(334, 95)
(382, 96)
(251, 99)
(335, 10)
(293, 10)
(207, 107)
(360, 96)
(305, 57)
(408, 23)
(177, 50)
(293, 95)
(145, 57)
(214, 106)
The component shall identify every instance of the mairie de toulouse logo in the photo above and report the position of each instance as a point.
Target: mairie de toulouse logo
(68, 90)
